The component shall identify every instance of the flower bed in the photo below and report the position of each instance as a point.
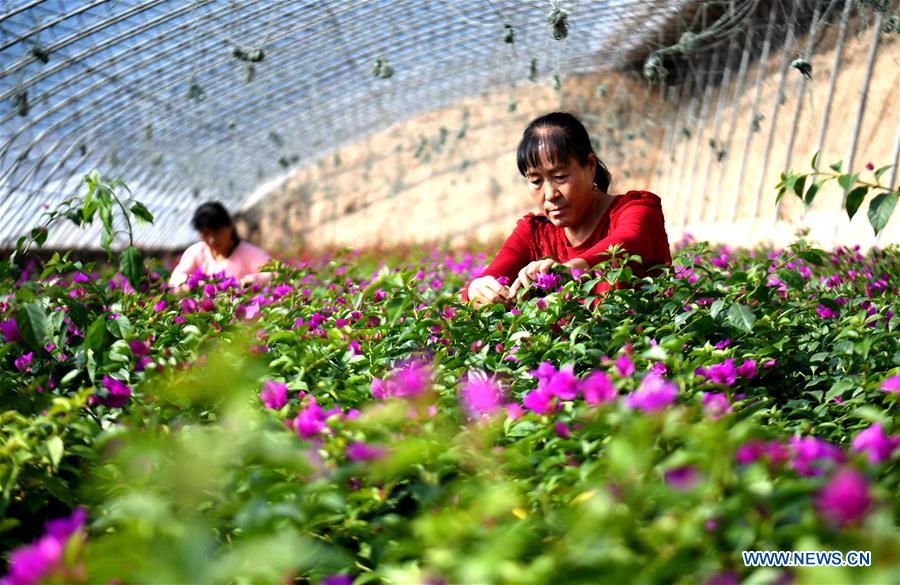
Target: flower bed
(355, 423)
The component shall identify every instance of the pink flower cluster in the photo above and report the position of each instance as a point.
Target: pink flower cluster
(875, 444)
(481, 397)
(654, 393)
(407, 381)
(30, 564)
(726, 373)
(273, 394)
(117, 394)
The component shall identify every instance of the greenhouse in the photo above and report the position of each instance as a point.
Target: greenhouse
(449, 291)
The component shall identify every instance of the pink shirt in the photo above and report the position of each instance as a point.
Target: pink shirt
(244, 261)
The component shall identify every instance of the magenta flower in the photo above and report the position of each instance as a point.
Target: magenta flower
(723, 344)
(31, 563)
(726, 578)
(877, 446)
(340, 579)
(160, 306)
(481, 397)
(539, 401)
(547, 281)
(117, 393)
(247, 312)
(273, 394)
(563, 384)
(655, 393)
(720, 261)
(809, 453)
(23, 362)
(544, 372)
(683, 478)
(715, 405)
(624, 366)
(141, 364)
(408, 381)
(659, 369)
(747, 369)
(10, 331)
(845, 499)
(514, 411)
(358, 451)
(724, 373)
(597, 388)
(826, 312)
(411, 380)
(282, 290)
(891, 385)
(379, 389)
(139, 348)
(189, 305)
(561, 430)
(310, 421)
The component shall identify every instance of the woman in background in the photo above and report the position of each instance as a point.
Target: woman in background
(220, 249)
(577, 219)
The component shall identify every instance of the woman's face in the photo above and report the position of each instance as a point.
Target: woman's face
(218, 239)
(563, 191)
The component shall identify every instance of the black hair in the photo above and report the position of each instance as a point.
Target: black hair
(565, 137)
(212, 215)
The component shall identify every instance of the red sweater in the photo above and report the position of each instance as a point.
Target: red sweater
(633, 220)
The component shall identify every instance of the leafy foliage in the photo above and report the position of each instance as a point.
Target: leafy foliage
(625, 429)
(806, 186)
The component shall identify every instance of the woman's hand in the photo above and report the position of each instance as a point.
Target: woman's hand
(530, 273)
(486, 290)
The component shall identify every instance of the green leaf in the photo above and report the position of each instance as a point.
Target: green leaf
(880, 209)
(39, 235)
(881, 171)
(798, 186)
(811, 193)
(836, 167)
(131, 264)
(855, 199)
(95, 338)
(141, 212)
(814, 256)
(55, 449)
(847, 181)
(791, 277)
(89, 209)
(32, 323)
(741, 317)
(815, 159)
(737, 277)
(716, 308)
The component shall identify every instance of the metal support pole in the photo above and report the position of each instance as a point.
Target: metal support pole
(692, 107)
(835, 69)
(760, 73)
(776, 108)
(724, 162)
(712, 153)
(662, 160)
(860, 111)
(671, 155)
(698, 195)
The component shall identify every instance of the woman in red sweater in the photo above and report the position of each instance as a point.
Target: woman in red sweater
(578, 219)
